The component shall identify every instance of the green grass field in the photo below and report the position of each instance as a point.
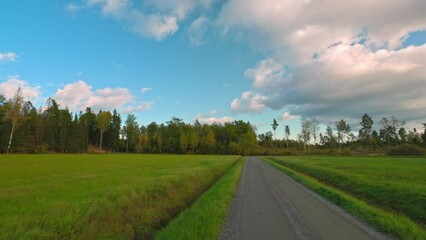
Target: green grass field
(99, 196)
(394, 185)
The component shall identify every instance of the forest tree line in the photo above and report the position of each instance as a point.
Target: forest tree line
(26, 129)
(390, 137)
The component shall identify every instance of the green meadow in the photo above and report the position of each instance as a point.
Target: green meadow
(387, 192)
(100, 196)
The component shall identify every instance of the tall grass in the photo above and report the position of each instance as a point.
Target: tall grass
(206, 218)
(99, 196)
(369, 188)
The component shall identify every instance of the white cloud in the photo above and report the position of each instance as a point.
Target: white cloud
(29, 92)
(266, 73)
(8, 56)
(154, 18)
(146, 89)
(74, 95)
(155, 25)
(287, 116)
(249, 102)
(79, 95)
(305, 27)
(139, 108)
(331, 58)
(209, 118)
(348, 80)
(197, 30)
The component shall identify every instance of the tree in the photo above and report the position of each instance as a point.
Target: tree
(171, 134)
(424, 134)
(413, 137)
(274, 127)
(343, 130)
(64, 131)
(153, 133)
(366, 128)
(210, 140)
(402, 133)
(314, 129)
(159, 143)
(52, 120)
(248, 143)
(3, 128)
(184, 142)
(322, 139)
(286, 134)
(329, 136)
(13, 113)
(130, 131)
(79, 140)
(24, 137)
(104, 119)
(375, 138)
(388, 131)
(305, 134)
(114, 130)
(89, 119)
(195, 139)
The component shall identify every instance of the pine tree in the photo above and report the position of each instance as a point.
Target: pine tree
(286, 134)
(274, 127)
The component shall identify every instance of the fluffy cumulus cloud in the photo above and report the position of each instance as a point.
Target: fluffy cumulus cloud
(80, 95)
(209, 118)
(249, 102)
(332, 58)
(346, 81)
(8, 56)
(315, 25)
(9, 87)
(266, 73)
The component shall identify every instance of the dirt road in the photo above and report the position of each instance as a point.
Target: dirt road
(270, 205)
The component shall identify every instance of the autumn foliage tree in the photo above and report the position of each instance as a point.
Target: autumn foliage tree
(13, 113)
(104, 120)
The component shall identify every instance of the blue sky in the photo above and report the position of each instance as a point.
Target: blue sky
(218, 60)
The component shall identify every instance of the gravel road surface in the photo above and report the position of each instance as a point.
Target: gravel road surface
(270, 205)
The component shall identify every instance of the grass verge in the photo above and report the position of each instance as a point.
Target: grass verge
(391, 183)
(394, 224)
(206, 217)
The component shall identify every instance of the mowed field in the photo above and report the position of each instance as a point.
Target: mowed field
(100, 196)
(396, 185)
